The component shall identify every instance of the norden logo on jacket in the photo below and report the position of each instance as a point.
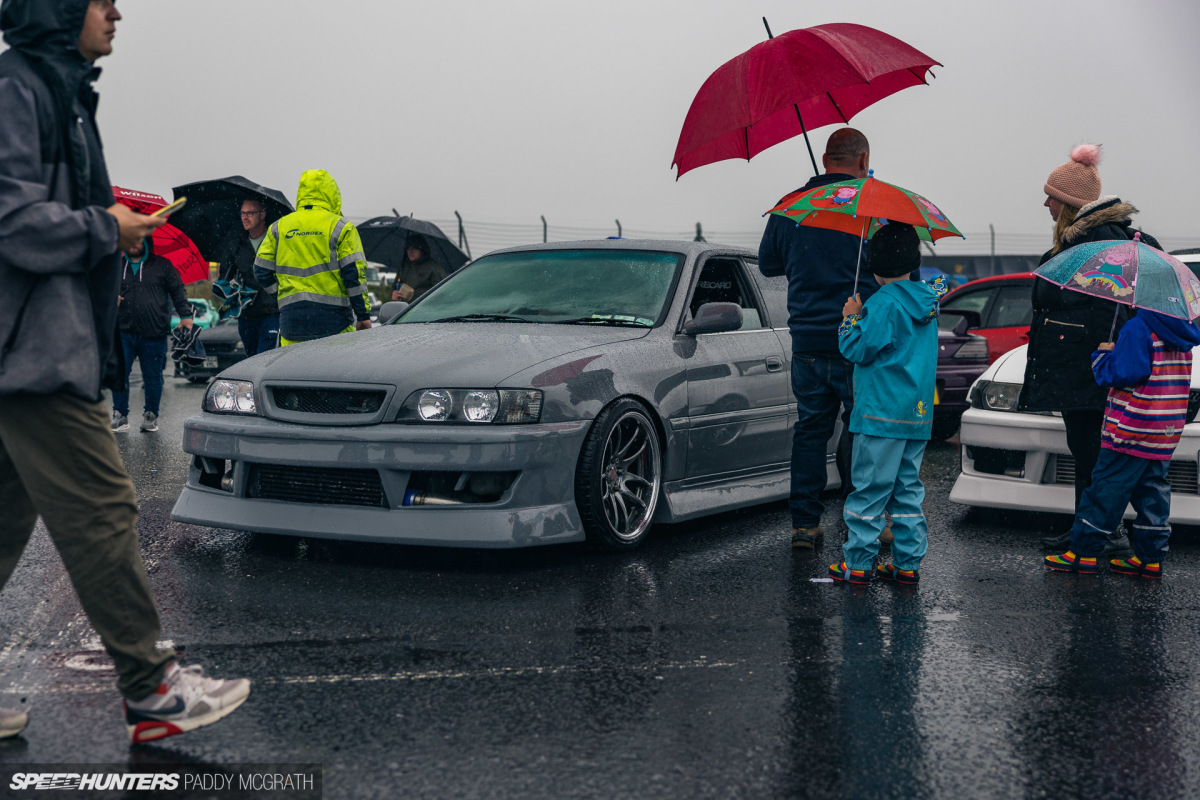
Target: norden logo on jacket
(298, 232)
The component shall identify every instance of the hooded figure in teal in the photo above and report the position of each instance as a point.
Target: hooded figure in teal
(893, 344)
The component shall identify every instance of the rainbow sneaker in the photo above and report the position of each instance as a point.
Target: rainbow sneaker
(907, 577)
(1134, 566)
(840, 573)
(1069, 562)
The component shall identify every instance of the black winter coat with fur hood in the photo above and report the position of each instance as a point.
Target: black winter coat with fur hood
(1068, 326)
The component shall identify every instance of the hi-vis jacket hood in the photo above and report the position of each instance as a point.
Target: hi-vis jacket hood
(894, 347)
(318, 189)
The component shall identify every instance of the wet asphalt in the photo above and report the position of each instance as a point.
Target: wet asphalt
(705, 664)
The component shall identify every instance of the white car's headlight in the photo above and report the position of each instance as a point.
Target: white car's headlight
(995, 396)
(466, 406)
(230, 397)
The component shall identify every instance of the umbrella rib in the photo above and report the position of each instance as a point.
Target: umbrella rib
(920, 75)
(837, 108)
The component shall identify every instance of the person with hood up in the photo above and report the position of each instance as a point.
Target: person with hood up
(60, 235)
(150, 284)
(893, 343)
(419, 273)
(1068, 326)
(312, 261)
(1149, 372)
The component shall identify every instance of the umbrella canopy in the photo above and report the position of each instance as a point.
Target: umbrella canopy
(1132, 273)
(167, 240)
(791, 84)
(383, 240)
(861, 206)
(211, 214)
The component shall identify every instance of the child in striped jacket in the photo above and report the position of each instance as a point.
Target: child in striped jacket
(1149, 374)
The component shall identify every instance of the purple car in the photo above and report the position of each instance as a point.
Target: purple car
(962, 357)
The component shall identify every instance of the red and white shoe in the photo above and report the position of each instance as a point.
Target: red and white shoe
(184, 701)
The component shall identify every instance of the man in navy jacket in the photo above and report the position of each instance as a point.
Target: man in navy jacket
(820, 266)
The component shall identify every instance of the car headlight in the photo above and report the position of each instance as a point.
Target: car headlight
(995, 396)
(239, 347)
(467, 406)
(230, 397)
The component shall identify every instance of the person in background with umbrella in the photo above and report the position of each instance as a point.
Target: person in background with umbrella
(258, 321)
(820, 266)
(419, 273)
(60, 236)
(149, 286)
(1068, 326)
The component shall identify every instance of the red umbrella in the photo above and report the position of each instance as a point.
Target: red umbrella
(791, 84)
(169, 242)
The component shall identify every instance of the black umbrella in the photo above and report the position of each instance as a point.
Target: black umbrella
(210, 217)
(383, 240)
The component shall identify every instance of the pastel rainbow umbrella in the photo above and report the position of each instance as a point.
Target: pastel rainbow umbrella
(1128, 272)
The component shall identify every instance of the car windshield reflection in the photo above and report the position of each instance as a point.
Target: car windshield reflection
(556, 287)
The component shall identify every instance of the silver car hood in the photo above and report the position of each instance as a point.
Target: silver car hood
(415, 355)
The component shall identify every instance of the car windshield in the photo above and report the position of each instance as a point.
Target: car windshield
(564, 287)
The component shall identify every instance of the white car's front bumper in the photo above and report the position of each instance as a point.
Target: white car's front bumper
(1021, 461)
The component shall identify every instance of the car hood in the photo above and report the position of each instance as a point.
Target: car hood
(1010, 367)
(414, 355)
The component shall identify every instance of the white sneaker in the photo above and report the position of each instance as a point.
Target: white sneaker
(184, 701)
(149, 422)
(120, 422)
(12, 722)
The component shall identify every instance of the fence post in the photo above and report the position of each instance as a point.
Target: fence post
(543, 229)
(699, 234)
(993, 230)
(462, 235)
(618, 229)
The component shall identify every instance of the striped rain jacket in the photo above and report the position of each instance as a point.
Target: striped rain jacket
(1150, 374)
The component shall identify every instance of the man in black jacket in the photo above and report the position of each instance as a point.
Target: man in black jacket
(258, 322)
(60, 234)
(150, 285)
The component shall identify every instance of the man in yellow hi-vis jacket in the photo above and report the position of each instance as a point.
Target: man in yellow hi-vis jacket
(312, 260)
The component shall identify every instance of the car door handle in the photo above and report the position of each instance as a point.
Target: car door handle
(774, 364)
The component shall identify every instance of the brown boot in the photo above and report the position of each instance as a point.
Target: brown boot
(806, 538)
(886, 536)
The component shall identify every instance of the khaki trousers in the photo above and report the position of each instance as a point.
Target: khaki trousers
(59, 460)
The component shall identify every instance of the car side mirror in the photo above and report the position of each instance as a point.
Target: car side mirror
(969, 319)
(390, 310)
(714, 318)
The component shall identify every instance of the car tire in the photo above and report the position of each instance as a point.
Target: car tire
(618, 480)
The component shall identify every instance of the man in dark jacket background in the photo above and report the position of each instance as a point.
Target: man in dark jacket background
(150, 285)
(258, 322)
(820, 266)
(60, 233)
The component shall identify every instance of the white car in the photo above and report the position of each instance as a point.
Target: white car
(1020, 460)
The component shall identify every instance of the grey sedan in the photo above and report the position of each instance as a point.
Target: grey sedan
(540, 394)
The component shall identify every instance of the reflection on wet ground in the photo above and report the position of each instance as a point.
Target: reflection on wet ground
(706, 664)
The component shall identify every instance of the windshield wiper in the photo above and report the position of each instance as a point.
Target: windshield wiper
(624, 323)
(482, 318)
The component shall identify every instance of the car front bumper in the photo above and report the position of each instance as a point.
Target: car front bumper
(536, 508)
(1021, 461)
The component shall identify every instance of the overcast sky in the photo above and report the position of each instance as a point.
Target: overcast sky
(505, 111)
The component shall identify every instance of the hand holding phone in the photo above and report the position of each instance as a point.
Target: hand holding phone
(167, 211)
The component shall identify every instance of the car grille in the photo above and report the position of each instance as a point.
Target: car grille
(326, 486)
(308, 400)
(1182, 475)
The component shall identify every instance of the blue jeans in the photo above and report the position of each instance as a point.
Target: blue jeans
(151, 355)
(259, 334)
(822, 384)
(1117, 481)
(887, 477)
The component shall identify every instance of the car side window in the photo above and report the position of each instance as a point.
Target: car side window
(774, 293)
(1013, 308)
(966, 301)
(722, 281)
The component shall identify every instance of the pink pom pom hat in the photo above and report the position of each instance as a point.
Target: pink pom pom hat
(1077, 182)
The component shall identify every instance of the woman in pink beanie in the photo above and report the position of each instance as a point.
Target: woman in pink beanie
(1068, 326)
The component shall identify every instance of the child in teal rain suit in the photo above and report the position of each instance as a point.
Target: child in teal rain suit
(893, 343)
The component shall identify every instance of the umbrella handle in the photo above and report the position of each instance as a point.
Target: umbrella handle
(1113, 329)
(858, 261)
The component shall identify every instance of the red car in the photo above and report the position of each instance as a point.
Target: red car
(1004, 302)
